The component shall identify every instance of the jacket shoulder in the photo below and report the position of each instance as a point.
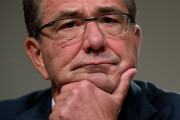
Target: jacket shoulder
(10, 109)
(167, 103)
(152, 92)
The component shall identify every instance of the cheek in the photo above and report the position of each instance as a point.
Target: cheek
(126, 48)
(57, 57)
(118, 45)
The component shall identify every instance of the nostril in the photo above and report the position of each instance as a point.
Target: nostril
(102, 49)
(92, 50)
(89, 49)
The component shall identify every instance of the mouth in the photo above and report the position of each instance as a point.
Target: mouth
(94, 67)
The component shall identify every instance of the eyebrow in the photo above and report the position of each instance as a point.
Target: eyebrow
(66, 14)
(98, 11)
(107, 10)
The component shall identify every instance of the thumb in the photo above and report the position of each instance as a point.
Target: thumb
(124, 83)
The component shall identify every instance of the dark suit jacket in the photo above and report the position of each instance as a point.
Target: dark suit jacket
(144, 101)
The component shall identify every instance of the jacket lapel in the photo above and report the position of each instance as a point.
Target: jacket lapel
(136, 105)
(40, 111)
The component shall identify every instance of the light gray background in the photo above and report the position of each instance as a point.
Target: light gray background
(159, 60)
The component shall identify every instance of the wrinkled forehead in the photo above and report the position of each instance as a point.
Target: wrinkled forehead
(53, 9)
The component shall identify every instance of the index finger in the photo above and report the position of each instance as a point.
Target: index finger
(124, 83)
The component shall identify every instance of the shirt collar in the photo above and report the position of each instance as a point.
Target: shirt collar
(52, 102)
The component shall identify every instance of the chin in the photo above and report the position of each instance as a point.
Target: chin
(102, 81)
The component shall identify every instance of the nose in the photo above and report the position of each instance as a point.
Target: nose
(93, 39)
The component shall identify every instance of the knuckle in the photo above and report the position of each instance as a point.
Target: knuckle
(85, 85)
(53, 108)
(61, 114)
(63, 88)
(75, 91)
(58, 98)
(53, 115)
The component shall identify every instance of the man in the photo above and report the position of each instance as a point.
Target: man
(89, 51)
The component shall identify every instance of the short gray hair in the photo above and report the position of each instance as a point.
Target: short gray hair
(131, 5)
(33, 14)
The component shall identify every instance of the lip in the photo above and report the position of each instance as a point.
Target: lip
(95, 65)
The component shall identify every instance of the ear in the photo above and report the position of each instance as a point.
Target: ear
(137, 30)
(33, 51)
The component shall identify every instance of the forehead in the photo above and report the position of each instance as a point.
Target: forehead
(87, 8)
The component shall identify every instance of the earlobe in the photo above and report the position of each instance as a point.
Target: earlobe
(33, 51)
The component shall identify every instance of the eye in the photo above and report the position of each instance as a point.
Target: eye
(108, 20)
(68, 25)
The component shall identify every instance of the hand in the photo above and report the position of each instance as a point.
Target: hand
(84, 101)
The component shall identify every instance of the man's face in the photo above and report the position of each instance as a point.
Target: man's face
(93, 57)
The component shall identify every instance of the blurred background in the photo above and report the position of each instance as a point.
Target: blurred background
(159, 59)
